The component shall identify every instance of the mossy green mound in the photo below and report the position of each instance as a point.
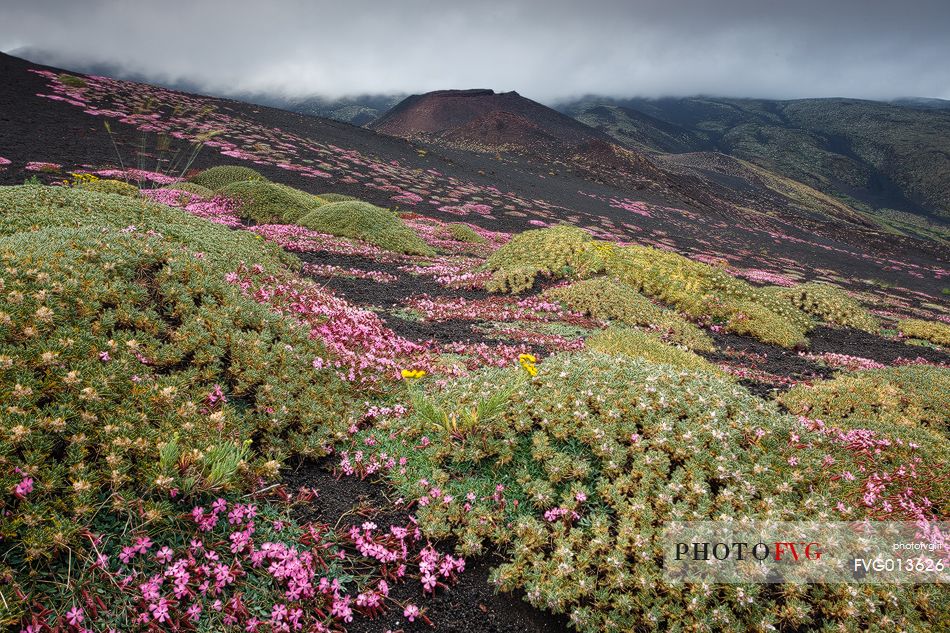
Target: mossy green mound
(464, 233)
(831, 305)
(367, 222)
(265, 202)
(217, 177)
(132, 373)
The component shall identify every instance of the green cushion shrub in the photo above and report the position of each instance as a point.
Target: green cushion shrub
(217, 177)
(265, 202)
(367, 222)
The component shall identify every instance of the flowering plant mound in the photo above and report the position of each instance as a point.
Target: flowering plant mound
(132, 373)
(215, 209)
(913, 395)
(557, 252)
(218, 177)
(575, 474)
(603, 298)
(933, 331)
(365, 221)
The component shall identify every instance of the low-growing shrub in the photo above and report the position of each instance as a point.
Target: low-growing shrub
(831, 304)
(265, 202)
(132, 373)
(558, 252)
(191, 187)
(464, 233)
(106, 185)
(603, 298)
(574, 477)
(217, 177)
(28, 207)
(915, 395)
(637, 344)
(72, 80)
(933, 331)
(367, 222)
(757, 321)
(707, 292)
(335, 197)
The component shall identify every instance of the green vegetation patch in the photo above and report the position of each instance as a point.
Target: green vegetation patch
(336, 197)
(25, 208)
(831, 305)
(191, 187)
(911, 395)
(572, 474)
(464, 233)
(933, 331)
(707, 292)
(364, 221)
(217, 177)
(129, 368)
(637, 344)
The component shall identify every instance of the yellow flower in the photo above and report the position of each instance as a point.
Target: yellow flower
(530, 368)
(527, 358)
(410, 374)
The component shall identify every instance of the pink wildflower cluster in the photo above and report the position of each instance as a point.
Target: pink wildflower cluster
(540, 339)
(219, 210)
(762, 276)
(459, 273)
(4, 161)
(634, 206)
(489, 309)
(852, 363)
(330, 270)
(467, 209)
(298, 239)
(203, 580)
(137, 175)
(895, 492)
(40, 166)
(363, 347)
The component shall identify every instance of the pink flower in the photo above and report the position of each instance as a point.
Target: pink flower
(104, 356)
(165, 555)
(75, 616)
(23, 488)
(411, 612)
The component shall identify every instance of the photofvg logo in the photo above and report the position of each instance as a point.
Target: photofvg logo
(747, 551)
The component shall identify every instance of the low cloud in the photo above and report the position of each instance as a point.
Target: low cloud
(549, 50)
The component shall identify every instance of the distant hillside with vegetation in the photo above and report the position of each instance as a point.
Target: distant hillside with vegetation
(893, 158)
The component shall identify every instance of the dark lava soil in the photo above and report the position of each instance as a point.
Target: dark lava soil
(471, 605)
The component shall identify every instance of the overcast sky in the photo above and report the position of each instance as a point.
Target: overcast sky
(547, 50)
